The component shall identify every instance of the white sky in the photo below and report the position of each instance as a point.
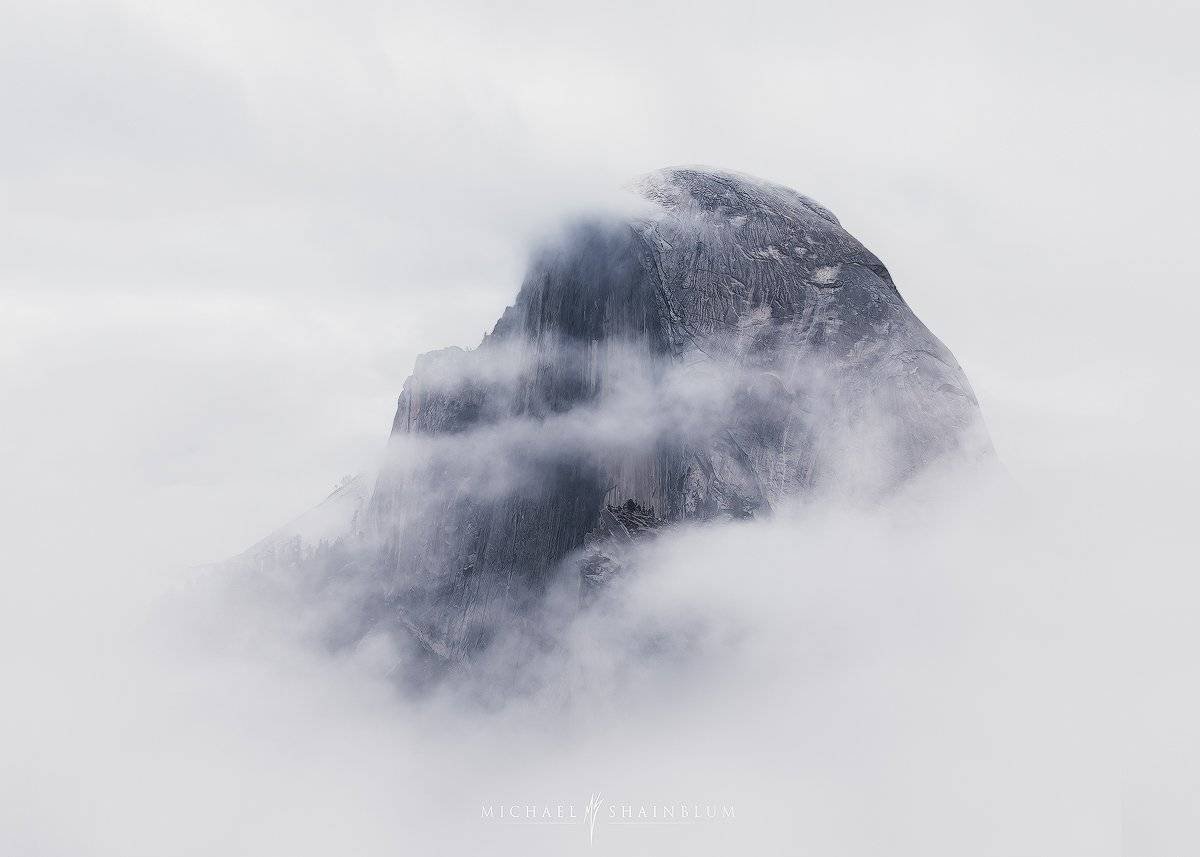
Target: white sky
(230, 227)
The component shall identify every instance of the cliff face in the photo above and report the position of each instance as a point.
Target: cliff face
(727, 348)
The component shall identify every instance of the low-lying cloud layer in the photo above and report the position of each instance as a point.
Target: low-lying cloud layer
(931, 676)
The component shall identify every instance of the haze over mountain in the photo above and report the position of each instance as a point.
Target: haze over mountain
(721, 347)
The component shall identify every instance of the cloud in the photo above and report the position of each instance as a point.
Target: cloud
(931, 675)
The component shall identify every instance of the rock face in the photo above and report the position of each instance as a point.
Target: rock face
(607, 548)
(723, 349)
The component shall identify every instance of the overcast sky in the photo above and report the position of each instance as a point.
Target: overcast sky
(228, 228)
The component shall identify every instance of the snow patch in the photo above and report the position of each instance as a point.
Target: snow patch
(826, 274)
